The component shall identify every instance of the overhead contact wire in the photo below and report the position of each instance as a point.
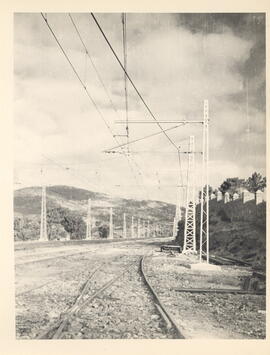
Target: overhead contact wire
(131, 81)
(80, 80)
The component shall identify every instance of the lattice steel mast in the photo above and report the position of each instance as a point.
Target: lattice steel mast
(204, 229)
(190, 218)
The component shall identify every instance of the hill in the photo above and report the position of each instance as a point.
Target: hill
(27, 206)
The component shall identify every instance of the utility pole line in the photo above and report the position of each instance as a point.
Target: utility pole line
(132, 227)
(190, 218)
(111, 224)
(144, 229)
(204, 228)
(89, 221)
(124, 226)
(148, 229)
(174, 233)
(43, 218)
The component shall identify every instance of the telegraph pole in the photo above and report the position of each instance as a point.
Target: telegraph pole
(204, 229)
(143, 229)
(148, 229)
(89, 221)
(132, 227)
(43, 218)
(111, 224)
(174, 227)
(124, 226)
(190, 218)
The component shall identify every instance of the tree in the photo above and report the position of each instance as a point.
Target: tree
(232, 185)
(55, 217)
(72, 222)
(18, 229)
(224, 187)
(74, 225)
(255, 183)
(103, 231)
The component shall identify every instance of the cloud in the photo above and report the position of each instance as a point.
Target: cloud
(174, 68)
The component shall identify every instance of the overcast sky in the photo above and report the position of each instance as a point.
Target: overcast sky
(176, 61)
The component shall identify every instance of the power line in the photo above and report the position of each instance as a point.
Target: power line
(93, 64)
(103, 85)
(91, 98)
(140, 139)
(139, 94)
(124, 24)
(83, 85)
(76, 73)
(131, 81)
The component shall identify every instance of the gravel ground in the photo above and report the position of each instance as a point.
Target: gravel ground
(123, 311)
(227, 316)
(48, 288)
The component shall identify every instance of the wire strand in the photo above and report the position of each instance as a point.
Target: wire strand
(93, 65)
(131, 81)
(85, 88)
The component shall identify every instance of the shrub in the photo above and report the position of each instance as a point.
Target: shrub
(223, 216)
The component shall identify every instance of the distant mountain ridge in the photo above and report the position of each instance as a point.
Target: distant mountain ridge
(27, 202)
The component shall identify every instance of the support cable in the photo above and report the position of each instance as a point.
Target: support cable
(85, 88)
(104, 87)
(93, 64)
(124, 24)
(131, 81)
(112, 150)
(76, 73)
(139, 94)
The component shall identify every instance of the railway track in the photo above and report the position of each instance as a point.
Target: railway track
(109, 296)
(95, 290)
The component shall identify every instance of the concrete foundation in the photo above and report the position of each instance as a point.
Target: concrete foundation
(205, 267)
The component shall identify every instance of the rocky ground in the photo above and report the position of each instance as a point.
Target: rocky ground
(47, 286)
(227, 316)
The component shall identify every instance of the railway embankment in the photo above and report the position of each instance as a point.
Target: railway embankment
(237, 230)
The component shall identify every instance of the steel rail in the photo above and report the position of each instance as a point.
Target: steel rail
(219, 290)
(167, 317)
(57, 328)
(80, 242)
(72, 310)
(57, 325)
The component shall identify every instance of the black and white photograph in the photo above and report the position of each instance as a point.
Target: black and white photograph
(139, 175)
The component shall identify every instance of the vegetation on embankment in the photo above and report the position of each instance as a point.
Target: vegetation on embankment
(236, 229)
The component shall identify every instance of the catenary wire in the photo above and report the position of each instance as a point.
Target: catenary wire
(130, 80)
(131, 158)
(85, 88)
(137, 91)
